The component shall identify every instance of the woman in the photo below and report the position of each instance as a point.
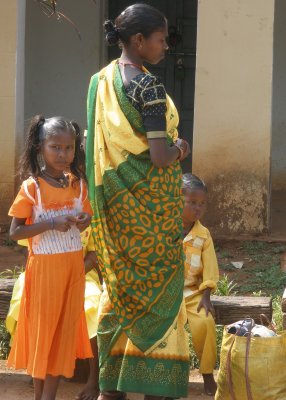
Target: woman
(134, 175)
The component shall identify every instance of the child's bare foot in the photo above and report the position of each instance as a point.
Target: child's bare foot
(210, 385)
(89, 392)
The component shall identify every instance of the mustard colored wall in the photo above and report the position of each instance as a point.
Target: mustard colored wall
(8, 47)
(232, 123)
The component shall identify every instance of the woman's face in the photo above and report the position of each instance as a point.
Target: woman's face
(152, 49)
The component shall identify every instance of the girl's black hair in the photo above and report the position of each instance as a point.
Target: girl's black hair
(192, 182)
(138, 18)
(39, 130)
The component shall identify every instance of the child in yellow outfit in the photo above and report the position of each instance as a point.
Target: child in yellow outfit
(201, 276)
(92, 295)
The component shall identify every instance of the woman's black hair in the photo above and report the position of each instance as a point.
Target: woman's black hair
(192, 182)
(39, 130)
(138, 18)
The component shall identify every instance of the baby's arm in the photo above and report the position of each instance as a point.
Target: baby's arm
(90, 259)
(210, 266)
(84, 217)
(206, 302)
(210, 276)
(90, 262)
(19, 230)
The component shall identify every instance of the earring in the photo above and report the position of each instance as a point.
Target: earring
(41, 160)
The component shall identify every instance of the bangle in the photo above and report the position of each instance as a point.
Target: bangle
(52, 224)
(181, 152)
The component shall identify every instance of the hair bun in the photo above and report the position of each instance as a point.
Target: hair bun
(111, 33)
(41, 119)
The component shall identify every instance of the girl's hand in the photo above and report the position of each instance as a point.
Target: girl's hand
(206, 303)
(83, 221)
(63, 223)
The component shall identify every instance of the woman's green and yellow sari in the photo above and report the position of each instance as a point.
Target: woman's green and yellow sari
(143, 343)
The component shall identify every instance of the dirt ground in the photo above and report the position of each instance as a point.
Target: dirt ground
(260, 273)
(10, 255)
(256, 256)
(17, 386)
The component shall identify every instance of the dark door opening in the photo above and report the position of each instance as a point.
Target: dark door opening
(177, 70)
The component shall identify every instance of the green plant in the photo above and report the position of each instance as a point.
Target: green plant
(224, 254)
(219, 334)
(4, 341)
(12, 273)
(226, 267)
(277, 312)
(9, 243)
(270, 279)
(253, 247)
(225, 287)
(258, 294)
(279, 249)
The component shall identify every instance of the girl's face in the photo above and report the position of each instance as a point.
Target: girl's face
(152, 49)
(58, 151)
(195, 205)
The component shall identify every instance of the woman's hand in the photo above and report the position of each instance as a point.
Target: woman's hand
(83, 221)
(162, 154)
(185, 148)
(206, 303)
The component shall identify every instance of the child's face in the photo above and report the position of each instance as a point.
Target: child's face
(58, 151)
(195, 205)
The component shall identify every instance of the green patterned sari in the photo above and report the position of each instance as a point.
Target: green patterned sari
(137, 232)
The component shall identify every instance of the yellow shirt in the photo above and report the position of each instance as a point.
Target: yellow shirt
(201, 267)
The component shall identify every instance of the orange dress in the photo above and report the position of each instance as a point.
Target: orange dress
(51, 331)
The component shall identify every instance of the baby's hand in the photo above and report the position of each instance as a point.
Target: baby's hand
(206, 303)
(83, 221)
(63, 223)
(91, 262)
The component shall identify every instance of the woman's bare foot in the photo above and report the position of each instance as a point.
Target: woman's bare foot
(112, 396)
(147, 397)
(89, 392)
(210, 385)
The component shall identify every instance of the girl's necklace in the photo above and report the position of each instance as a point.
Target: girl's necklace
(62, 181)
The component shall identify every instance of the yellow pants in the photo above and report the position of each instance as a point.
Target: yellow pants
(203, 334)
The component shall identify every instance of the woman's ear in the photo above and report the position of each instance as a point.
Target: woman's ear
(138, 40)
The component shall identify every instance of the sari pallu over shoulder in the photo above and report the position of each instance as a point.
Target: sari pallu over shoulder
(137, 215)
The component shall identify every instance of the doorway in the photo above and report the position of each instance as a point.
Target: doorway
(177, 70)
(278, 145)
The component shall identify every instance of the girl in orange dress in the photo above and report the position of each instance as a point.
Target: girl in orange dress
(50, 210)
